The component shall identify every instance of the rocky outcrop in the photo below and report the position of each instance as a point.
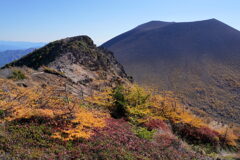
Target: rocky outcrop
(77, 60)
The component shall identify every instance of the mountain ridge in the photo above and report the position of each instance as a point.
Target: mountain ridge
(77, 59)
(11, 55)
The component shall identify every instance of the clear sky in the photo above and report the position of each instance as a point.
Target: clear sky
(48, 20)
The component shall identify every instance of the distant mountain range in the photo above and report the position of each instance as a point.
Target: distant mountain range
(199, 61)
(10, 50)
(11, 45)
(12, 55)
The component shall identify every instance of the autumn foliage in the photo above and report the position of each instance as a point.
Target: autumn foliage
(142, 107)
(129, 119)
(18, 103)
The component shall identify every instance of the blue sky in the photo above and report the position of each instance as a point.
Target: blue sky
(48, 20)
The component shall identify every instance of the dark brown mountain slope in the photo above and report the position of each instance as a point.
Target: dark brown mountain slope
(200, 61)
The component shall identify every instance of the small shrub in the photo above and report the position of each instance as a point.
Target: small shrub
(156, 124)
(229, 137)
(1, 113)
(131, 102)
(144, 133)
(17, 75)
(81, 127)
(53, 71)
(120, 103)
(202, 135)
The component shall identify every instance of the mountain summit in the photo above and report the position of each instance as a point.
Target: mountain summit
(171, 38)
(198, 60)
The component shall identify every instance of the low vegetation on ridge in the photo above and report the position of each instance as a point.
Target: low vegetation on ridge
(142, 108)
(128, 119)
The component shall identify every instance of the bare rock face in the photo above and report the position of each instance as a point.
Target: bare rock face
(78, 60)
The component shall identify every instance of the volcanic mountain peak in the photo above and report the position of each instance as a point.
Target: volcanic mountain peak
(152, 25)
(210, 29)
(160, 24)
(186, 57)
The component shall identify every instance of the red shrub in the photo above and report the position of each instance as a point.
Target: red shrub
(157, 124)
(118, 141)
(208, 133)
(197, 135)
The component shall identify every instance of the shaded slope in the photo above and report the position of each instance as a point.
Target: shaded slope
(197, 60)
